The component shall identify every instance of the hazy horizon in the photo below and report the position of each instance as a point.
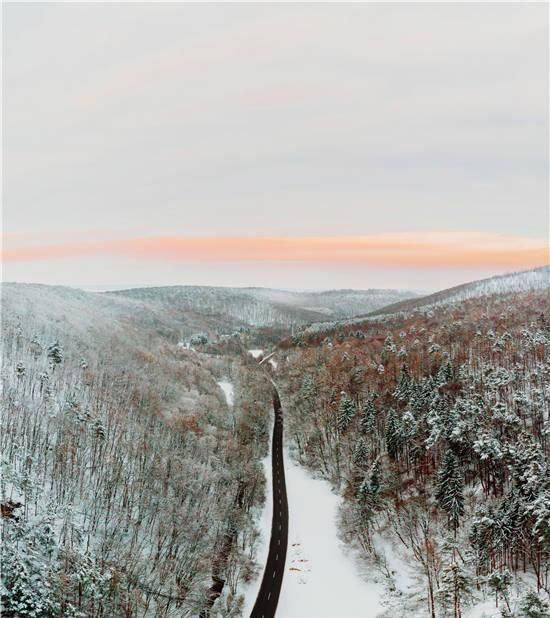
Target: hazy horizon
(128, 286)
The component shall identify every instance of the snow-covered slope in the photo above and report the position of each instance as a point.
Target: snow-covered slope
(268, 307)
(513, 283)
(432, 424)
(121, 458)
(536, 279)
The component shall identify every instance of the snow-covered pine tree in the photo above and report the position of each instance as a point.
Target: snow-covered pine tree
(500, 582)
(403, 389)
(389, 345)
(394, 440)
(455, 584)
(55, 353)
(346, 413)
(533, 606)
(361, 453)
(450, 489)
(369, 489)
(368, 416)
(445, 373)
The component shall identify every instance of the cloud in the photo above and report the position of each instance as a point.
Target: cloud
(432, 250)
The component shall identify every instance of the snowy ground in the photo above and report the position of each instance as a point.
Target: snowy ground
(228, 391)
(269, 358)
(251, 589)
(321, 579)
(486, 609)
(393, 562)
(255, 353)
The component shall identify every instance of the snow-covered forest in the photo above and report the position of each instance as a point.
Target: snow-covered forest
(128, 482)
(433, 425)
(266, 307)
(275, 310)
(135, 438)
(535, 279)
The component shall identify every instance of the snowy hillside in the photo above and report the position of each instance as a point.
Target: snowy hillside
(531, 280)
(433, 427)
(133, 464)
(536, 279)
(129, 463)
(266, 307)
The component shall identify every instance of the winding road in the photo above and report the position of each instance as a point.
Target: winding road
(270, 588)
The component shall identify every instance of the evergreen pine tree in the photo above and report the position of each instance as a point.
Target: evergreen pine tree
(369, 489)
(394, 440)
(389, 345)
(449, 489)
(55, 353)
(454, 585)
(346, 413)
(368, 417)
(361, 453)
(403, 389)
(533, 606)
(499, 582)
(445, 373)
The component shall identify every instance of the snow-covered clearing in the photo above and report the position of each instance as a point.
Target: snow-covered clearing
(255, 353)
(321, 578)
(228, 391)
(394, 565)
(273, 363)
(486, 609)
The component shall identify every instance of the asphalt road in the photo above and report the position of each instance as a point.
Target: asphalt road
(268, 596)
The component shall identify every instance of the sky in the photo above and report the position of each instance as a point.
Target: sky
(282, 145)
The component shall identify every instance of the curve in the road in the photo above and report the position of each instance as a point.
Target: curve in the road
(270, 588)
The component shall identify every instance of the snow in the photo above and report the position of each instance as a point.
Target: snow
(250, 590)
(486, 609)
(395, 564)
(269, 358)
(321, 579)
(228, 391)
(255, 353)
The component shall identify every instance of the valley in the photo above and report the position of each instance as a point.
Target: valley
(137, 427)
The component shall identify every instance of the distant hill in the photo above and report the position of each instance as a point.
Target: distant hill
(511, 283)
(535, 279)
(264, 306)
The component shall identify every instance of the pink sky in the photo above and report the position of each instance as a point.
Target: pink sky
(424, 252)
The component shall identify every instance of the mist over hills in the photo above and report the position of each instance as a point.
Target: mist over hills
(178, 312)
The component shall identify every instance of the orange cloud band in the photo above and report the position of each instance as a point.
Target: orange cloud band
(443, 249)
